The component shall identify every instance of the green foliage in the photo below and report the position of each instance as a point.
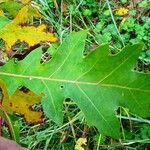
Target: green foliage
(66, 16)
(4, 21)
(98, 83)
(123, 1)
(10, 7)
(140, 31)
(105, 38)
(95, 16)
(143, 4)
(12, 122)
(87, 12)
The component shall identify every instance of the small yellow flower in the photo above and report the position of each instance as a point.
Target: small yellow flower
(121, 11)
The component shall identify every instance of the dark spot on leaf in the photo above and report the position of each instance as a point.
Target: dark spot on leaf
(10, 104)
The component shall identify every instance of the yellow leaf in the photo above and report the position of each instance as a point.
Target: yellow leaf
(26, 13)
(21, 103)
(14, 32)
(31, 35)
(22, 1)
(22, 16)
(25, 1)
(1, 1)
(121, 11)
(14, 7)
(33, 12)
(1, 12)
(79, 143)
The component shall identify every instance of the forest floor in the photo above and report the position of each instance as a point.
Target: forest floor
(118, 23)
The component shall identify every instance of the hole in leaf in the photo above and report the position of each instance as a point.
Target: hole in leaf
(45, 57)
(85, 53)
(61, 87)
(20, 47)
(24, 89)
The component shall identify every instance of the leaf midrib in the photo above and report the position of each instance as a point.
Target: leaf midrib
(73, 81)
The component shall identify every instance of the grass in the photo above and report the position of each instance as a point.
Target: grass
(100, 19)
(48, 136)
(63, 17)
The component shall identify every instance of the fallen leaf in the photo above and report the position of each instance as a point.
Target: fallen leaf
(13, 32)
(1, 12)
(21, 17)
(99, 83)
(21, 103)
(13, 7)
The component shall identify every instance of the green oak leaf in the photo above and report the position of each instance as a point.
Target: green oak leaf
(99, 83)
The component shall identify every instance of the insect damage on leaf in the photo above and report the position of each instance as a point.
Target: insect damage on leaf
(21, 103)
(14, 32)
(98, 83)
